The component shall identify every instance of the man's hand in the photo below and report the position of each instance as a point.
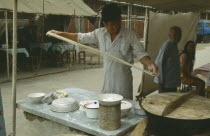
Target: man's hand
(153, 68)
(71, 36)
(55, 32)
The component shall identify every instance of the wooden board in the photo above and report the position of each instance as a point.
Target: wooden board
(170, 107)
(195, 108)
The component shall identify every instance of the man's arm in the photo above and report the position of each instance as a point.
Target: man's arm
(142, 55)
(71, 36)
(161, 63)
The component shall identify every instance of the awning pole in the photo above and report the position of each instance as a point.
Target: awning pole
(14, 67)
(146, 29)
(7, 44)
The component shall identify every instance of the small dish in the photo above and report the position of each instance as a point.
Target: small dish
(109, 99)
(36, 97)
(125, 108)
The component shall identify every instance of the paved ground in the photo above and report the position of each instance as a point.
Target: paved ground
(90, 79)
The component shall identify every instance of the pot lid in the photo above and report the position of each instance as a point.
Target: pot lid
(195, 108)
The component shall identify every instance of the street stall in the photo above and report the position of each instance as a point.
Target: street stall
(43, 111)
(40, 117)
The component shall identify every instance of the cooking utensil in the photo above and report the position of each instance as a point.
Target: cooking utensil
(95, 51)
(170, 107)
(92, 110)
(82, 103)
(64, 105)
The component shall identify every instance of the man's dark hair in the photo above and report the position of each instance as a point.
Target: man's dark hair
(111, 12)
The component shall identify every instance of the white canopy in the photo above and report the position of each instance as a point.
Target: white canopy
(55, 7)
(179, 5)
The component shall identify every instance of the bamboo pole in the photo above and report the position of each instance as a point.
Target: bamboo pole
(95, 51)
(7, 44)
(43, 22)
(14, 67)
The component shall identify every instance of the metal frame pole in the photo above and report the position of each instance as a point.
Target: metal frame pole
(129, 16)
(14, 67)
(146, 28)
(7, 44)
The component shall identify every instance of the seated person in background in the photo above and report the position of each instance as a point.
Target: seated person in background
(187, 59)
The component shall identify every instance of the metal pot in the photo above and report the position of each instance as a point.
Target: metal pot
(92, 110)
(176, 123)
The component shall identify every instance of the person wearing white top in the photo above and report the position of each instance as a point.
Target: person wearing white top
(119, 42)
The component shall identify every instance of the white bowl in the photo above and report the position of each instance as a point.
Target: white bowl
(109, 99)
(92, 110)
(82, 103)
(64, 105)
(125, 108)
(138, 110)
(36, 97)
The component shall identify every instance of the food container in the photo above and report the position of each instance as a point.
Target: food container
(92, 110)
(64, 105)
(109, 99)
(138, 110)
(125, 108)
(82, 103)
(36, 97)
(110, 111)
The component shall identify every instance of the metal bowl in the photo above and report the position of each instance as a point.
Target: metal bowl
(110, 99)
(64, 105)
(36, 97)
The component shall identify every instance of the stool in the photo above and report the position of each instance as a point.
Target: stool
(82, 57)
(72, 56)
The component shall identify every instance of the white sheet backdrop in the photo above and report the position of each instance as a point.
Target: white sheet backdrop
(158, 30)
